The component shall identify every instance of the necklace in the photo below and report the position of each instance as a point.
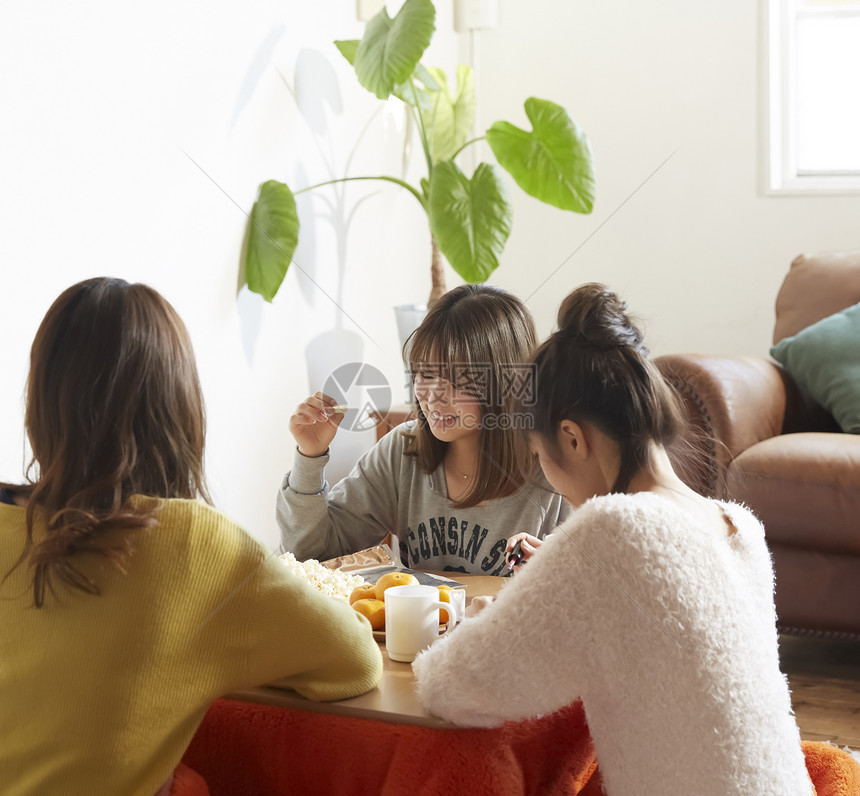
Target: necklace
(458, 473)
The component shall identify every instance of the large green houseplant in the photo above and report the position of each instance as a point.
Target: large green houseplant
(470, 217)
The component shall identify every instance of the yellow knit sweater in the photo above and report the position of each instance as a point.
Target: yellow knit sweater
(103, 694)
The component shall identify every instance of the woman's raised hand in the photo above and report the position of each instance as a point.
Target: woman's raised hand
(529, 546)
(314, 424)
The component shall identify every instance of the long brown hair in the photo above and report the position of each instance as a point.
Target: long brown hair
(478, 337)
(595, 369)
(114, 408)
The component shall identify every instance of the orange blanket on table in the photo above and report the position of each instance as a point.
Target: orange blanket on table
(832, 771)
(259, 750)
(243, 749)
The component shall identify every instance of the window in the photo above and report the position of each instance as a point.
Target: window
(814, 95)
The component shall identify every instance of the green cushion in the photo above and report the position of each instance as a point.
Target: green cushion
(824, 359)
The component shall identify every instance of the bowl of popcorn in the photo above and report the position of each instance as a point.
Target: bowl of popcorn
(332, 582)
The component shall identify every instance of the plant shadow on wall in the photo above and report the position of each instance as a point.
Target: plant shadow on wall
(316, 93)
(469, 218)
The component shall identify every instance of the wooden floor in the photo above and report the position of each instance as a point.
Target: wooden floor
(824, 676)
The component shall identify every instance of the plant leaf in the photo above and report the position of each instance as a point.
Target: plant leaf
(553, 163)
(425, 75)
(390, 49)
(470, 219)
(418, 96)
(412, 94)
(450, 119)
(347, 49)
(273, 232)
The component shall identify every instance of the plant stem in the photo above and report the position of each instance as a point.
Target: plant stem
(421, 129)
(438, 287)
(396, 181)
(472, 141)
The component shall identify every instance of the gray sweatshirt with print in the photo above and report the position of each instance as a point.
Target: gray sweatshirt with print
(388, 492)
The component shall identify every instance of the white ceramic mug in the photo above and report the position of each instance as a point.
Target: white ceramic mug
(412, 620)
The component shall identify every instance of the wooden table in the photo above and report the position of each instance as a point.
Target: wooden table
(394, 699)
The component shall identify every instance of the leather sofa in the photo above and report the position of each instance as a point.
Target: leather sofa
(759, 439)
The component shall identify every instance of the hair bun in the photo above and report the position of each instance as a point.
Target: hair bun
(593, 315)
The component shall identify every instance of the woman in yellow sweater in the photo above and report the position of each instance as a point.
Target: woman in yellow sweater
(126, 603)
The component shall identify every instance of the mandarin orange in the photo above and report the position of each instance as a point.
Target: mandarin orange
(393, 579)
(445, 597)
(367, 591)
(374, 610)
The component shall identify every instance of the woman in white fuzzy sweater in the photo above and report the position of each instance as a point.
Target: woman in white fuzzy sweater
(652, 604)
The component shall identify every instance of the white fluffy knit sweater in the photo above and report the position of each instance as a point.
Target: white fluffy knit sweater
(664, 629)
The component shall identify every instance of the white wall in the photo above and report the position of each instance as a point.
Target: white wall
(134, 140)
(135, 137)
(698, 250)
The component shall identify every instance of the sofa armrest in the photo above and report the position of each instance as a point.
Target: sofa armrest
(731, 402)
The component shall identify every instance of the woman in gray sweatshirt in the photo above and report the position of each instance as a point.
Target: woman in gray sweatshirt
(452, 485)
